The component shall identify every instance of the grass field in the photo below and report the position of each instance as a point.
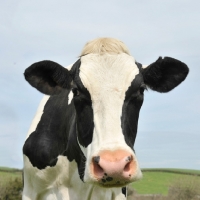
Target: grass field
(158, 181)
(7, 174)
(155, 181)
(174, 170)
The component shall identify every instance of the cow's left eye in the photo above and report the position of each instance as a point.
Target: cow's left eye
(76, 92)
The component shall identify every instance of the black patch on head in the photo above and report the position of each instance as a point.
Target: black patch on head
(83, 106)
(131, 108)
(73, 151)
(56, 134)
(85, 124)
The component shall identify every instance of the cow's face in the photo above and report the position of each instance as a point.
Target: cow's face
(107, 97)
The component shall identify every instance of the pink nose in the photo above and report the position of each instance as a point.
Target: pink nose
(116, 167)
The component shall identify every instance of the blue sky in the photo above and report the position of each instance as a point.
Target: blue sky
(30, 31)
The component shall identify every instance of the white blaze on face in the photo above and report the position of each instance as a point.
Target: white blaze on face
(107, 78)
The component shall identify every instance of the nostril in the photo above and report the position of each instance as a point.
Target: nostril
(128, 165)
(115, 165)
(98, 170)
(96, 159)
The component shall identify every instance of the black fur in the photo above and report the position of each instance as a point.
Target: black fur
(50, 138)
(48, 77)
(85, 122)
(131, 108)
(56, 134)
(165, 74)
(124, 191)
(61, 124)
(73, 151)
(139, 65)
(83, 106)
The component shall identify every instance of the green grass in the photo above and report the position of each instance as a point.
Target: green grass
(158, 181)
(9, 169)
(155, 181)
(7, 174)
(174, 170)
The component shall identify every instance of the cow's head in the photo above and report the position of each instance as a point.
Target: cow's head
(108, 90)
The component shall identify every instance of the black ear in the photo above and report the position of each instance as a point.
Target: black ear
(48, 77)
(165, 74)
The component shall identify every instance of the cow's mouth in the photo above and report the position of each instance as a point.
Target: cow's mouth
(110, 182)
(111, 185)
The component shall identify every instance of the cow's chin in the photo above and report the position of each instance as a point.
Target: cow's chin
(109, 184)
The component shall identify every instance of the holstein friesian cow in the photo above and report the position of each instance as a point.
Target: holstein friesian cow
(80, 144)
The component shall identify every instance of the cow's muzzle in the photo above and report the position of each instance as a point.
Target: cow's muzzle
(114, 168)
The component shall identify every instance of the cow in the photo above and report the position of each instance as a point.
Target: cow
(80, 145)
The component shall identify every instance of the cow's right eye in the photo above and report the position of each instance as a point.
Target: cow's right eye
(76, 92)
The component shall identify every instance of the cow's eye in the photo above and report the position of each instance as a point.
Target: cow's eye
(76, 92)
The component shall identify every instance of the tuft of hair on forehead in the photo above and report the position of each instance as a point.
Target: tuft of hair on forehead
(105, 45)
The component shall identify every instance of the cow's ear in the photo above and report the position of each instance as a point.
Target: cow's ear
(48, 77)
(165, 74)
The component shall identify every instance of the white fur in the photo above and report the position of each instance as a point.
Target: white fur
(105, 46)
(70, 97)
(62, 182)
(144, 66)
(107, 78)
